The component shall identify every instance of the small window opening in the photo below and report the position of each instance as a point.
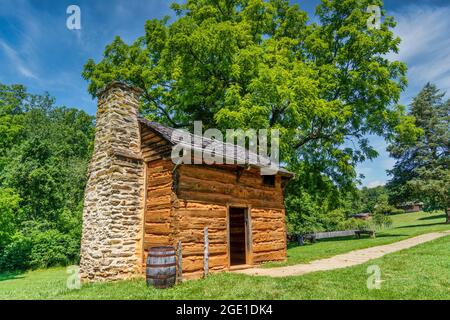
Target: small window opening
(269, 181)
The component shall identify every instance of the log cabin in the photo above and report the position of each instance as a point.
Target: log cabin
(411, 206)
(137, 198)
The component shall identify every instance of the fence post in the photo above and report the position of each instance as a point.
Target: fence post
(206, 254)
(301, 239)
(180, 262)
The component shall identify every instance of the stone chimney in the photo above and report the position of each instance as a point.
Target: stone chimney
(111, 243)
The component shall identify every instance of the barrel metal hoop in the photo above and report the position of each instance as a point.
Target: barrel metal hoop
(164, 249)
(160, 255)
(161, 265)
(160, 276)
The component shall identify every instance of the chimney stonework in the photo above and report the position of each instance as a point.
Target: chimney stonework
(111, 244)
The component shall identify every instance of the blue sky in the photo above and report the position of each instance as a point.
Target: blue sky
(37, 50)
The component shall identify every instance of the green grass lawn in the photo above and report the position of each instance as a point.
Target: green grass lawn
(404, 226)
(422, 272)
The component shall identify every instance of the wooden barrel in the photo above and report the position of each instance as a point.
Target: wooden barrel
(161, 268)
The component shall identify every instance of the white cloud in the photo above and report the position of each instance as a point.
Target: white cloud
(425, 46)
(375, 183)
(17, 61)
(23, 51)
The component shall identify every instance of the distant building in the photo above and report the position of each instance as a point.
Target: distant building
(411, 206)
(362, 216)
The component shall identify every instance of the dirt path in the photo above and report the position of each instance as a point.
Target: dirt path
(345, 260)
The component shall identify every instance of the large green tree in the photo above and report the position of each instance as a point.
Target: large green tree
(325, 85)
(422, 170)
(369, 198)
(44, 152)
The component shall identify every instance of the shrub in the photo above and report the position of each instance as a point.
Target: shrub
(382, 220)
(308, 219)
(9, 210)
(16, 255)
(49, 249)
(387, 209)
(356, 224)
(396, 211)
(302, 214)
(39, 245)
(337, 220)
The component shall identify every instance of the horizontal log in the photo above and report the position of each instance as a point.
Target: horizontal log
(196, 236)
(218, 261)
(201, 223)
(231, 189)
(201, 213)
(163, 213)
(155, 169)
(158, 206)
(268, 225)
(228, 174)
(159, 180)
(269, 256)
(157, 228)
(155, 202)
(153, 158)
(204, 206)
(268, 246)
(150, 137)
(150, 217)
(267, 236)
(146, 131)
(210, 197)
(155, 240)
(152, 141)
(158, 164)
(203, 172)
(156, 150)
(159, 192)
(197, 249)
(267, 213)
(192, 264)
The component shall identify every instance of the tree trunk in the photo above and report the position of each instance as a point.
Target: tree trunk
(448, 215)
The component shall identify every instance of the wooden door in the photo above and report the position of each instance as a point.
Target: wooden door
(238, 225)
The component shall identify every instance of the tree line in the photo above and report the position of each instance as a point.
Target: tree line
(44, 152)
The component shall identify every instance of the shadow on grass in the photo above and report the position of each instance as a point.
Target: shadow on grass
(11, 275)
(421, 225)
(348, 238)
(441, 216)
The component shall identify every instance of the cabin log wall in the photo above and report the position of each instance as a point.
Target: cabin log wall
(158, 200)
(182, 200)
(204, 195)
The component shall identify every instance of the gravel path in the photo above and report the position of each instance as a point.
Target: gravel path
(345, 260)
